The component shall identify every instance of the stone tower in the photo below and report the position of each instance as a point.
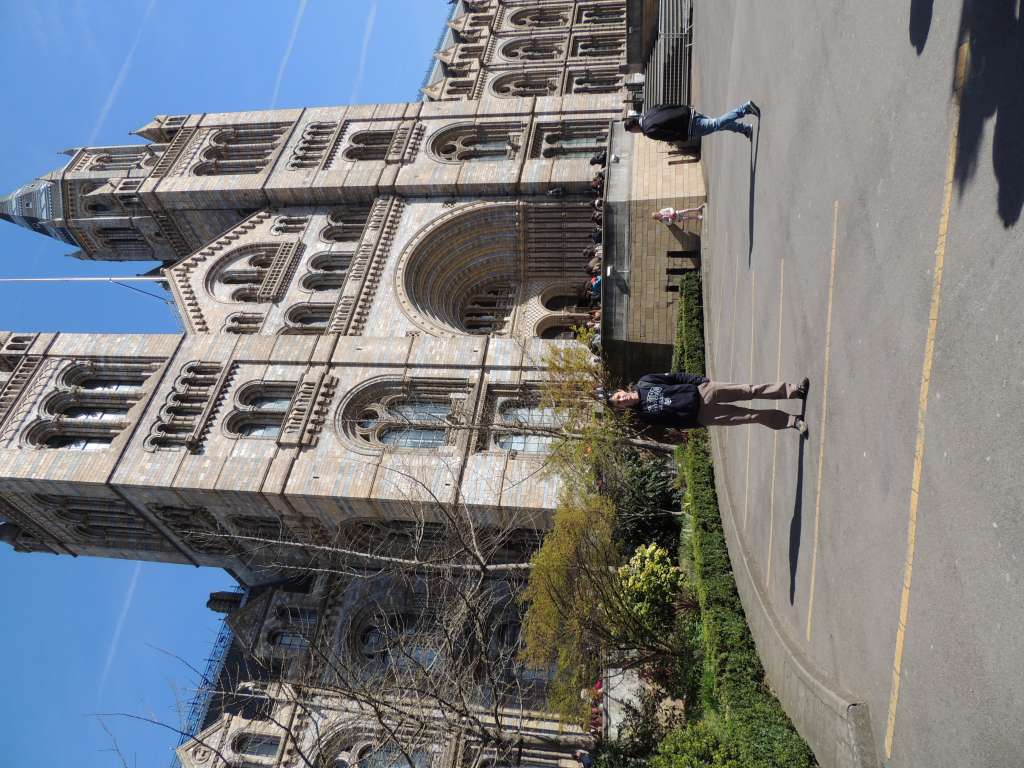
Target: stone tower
(366, 291)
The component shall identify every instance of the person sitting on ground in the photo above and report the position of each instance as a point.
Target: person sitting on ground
(686, 401)
(594, 266)
(596, 217)
(671, 215)
(598, 204)
(584, 758)
(681, 122)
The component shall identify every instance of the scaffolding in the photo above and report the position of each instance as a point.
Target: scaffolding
(200, 705)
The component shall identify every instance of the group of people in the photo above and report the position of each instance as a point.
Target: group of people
(682, 400)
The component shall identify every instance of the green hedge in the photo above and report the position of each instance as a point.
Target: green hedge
(753, 721)
(688, 354)
(744, 725)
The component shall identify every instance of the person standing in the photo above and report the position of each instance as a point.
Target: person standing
(681, 122)
(672, 215)
(685, 401)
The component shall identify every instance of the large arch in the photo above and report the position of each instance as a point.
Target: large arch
(461, 255)
(474, 269)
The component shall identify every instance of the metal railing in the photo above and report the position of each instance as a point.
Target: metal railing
(667, 78)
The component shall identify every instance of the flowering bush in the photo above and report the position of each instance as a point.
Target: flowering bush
(650, 583)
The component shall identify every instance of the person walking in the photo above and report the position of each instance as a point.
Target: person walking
(685, 401)
(680, 122)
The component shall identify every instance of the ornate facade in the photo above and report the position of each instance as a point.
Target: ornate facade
(366, 292)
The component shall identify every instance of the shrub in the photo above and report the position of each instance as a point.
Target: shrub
(702, 744)
(650, 583)
(647, 499)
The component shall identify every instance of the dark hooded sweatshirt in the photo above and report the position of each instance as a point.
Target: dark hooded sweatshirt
(669, 399)
(667, 122)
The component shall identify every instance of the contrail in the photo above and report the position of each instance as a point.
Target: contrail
(358, 81)
(121, 75)
(288, 51)
(116, 640)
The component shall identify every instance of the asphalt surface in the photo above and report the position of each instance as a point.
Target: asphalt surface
(861, 122)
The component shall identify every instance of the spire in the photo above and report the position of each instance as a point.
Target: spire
(153, 130)
(38, 206)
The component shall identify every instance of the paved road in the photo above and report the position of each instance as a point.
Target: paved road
(835, 242)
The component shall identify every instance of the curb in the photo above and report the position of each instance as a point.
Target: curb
(835, 725)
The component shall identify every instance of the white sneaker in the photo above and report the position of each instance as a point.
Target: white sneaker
(800, 426)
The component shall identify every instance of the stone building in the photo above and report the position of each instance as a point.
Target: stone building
(366, 293)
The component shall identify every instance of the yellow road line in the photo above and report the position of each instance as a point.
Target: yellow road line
(775, 439)
(750, 427)
(962, 57)
(824, 419)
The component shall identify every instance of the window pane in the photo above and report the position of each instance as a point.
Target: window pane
(413, 438)
(525, 443)
(79, 443)
(258, 745)
(259, 429)
(533, 416)
(435, 412)
(270, 402)
(108, 385)
(290, 641)
(97, 414)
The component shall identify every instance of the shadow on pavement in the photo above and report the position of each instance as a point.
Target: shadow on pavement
(796, 523)
(750, 200)
(992, 89)
(920, 23)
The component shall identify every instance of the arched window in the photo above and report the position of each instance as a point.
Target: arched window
(559, 330)
(345, 225)
(519, 84)
(108, 523)
(257, 745)
(289, 641)
(540, 18)
(327, 272)
(309, 318)
(570, 138)
(528, 428)
(599, 46)
(261, 410)
(604, 13)
(241, 150)
(481, 141)
(196, 527)
(243, 323)
(424, 414)
(533, 49)
(316, 140)
(240, 274)
(369, 145)
(595, 81)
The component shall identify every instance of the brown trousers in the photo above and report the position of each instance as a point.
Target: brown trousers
(715, 410)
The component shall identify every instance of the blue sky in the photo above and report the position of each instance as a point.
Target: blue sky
(84, 636)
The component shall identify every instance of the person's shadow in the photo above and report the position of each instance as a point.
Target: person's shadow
(993, 89)
(750, 198)
(920, 23)
(796, 523)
